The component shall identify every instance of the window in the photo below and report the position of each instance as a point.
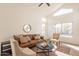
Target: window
(67, 28)
(43, 26)
(64, 28)
(58, 28)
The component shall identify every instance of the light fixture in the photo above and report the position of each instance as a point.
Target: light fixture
(44, 20)
(63, 11)
(43, 25)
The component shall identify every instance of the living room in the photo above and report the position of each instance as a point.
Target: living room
(42, 20)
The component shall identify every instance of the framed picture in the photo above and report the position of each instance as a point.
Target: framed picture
(27, 28)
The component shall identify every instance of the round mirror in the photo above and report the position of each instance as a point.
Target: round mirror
(27, 28)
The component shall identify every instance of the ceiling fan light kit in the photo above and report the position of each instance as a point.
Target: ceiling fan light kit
(48, 4)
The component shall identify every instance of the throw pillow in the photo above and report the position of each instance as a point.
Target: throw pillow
(24, 39)
(37, 37)
(28, 38)
(17, 37)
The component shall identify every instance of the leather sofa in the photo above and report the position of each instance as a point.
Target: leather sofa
(28, 40)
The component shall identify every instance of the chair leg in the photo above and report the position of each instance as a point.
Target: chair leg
(58, 43)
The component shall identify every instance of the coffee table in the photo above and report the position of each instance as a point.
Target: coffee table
(45, 49)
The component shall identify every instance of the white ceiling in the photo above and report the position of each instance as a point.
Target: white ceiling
(44, 10)
(74, 6)
(70, 5)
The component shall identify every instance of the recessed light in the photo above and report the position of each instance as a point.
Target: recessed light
(44, 20)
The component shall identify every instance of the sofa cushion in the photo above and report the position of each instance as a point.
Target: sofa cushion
(28, 38)
(17, 37)
(29, 35)
(23, 45)
(28, 52)
(37, 37)
(34, 41)
(24, 39)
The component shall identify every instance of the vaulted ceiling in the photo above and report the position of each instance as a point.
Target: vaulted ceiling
(44, 10)
(74, 6)
(32, 8)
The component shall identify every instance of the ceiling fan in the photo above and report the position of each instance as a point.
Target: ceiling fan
(48, 4)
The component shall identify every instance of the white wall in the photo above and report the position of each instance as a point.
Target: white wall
(13, 17)
(74, 18)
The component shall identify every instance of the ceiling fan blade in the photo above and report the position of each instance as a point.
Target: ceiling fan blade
(48, 4)
(40, 4)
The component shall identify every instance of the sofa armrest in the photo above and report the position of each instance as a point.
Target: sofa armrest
(18, 51)
(28, 52)
(12, 46)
